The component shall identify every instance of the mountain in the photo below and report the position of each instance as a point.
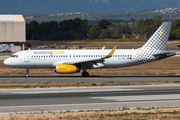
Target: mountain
(29, 7)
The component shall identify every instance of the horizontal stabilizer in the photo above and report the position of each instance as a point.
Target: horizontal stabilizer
(166, 53)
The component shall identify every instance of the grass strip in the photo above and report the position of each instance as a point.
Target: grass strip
(107, 114)
(45, 85)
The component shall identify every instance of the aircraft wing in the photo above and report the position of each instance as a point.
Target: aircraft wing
(87, 61)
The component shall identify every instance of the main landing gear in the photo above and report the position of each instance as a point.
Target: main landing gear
(85, 74)
(27, 73)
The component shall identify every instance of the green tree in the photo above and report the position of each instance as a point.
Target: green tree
(78, 36)
(176, 24)
(32, 31)
(178, 34)
(94, 32)
(105, 33)
(172, 35)
(103, 23)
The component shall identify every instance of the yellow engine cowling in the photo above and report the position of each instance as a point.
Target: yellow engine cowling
(66, 69)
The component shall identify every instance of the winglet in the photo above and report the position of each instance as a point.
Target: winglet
(112, 52)
(103, 47)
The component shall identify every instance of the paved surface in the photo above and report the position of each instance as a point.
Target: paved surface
(91, 79)
(57, 99)
(2, 58)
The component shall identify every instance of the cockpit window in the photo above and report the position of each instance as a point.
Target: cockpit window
(14, 56)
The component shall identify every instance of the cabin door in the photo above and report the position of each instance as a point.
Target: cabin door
(26, 57)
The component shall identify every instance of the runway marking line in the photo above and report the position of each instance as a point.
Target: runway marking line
(40, 95)
(87, 104)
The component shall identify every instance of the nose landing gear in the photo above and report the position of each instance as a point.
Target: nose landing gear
(27, 73)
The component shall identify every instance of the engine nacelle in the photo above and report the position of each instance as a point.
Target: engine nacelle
(66, 69)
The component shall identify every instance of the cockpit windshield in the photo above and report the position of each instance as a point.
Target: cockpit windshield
(14, 56)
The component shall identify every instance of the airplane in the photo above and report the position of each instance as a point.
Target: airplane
(72, 61)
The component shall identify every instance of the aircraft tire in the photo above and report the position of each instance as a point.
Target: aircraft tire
(85, 74)
(26, 75)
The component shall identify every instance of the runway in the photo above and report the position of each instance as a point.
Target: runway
(92, 79)
(87, 98)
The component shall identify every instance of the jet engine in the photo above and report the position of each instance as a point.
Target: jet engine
(66, 69)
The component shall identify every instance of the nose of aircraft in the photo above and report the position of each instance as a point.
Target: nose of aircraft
(6, 62)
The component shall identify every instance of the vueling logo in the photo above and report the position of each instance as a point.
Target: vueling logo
(58, 52)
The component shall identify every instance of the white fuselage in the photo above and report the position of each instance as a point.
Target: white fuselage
(46, 58)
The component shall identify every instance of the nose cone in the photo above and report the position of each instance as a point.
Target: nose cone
(6, 62)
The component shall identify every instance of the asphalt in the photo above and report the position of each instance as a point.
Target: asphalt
(87, 98)
(92, 79)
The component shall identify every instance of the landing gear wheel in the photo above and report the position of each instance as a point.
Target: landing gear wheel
(85, 74)
(26, 75)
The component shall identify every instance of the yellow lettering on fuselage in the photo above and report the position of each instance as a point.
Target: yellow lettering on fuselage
(58, 52)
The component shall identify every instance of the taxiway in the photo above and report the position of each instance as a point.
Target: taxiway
(92, 79)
